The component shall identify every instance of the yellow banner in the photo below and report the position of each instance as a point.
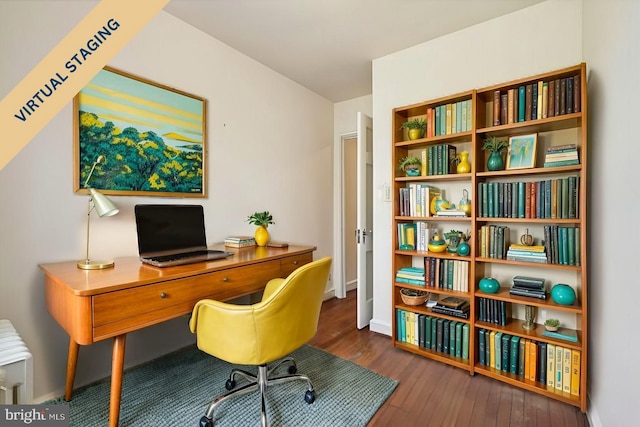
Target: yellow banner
(68, 68)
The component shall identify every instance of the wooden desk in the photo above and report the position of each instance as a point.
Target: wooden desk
(93, 305)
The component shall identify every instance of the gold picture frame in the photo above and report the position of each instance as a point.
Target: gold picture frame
(521, 152)
(153, 138)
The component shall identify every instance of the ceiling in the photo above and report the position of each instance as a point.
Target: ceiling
(328, 45)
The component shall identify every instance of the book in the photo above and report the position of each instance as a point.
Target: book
(542, 363)
(521, 356)
(427, 331)
(277, 244)
(465, 341)
(452, 338)
(496, 108)
(459, 339)
(559, 163)
(533, 360)
(535, 282)
(498, 349)
(239, 239)
(575, 372)
(551, 352)
(453, 302)
(246, 244)
(566, 370)
(528, 294)
(481, 348)
(562, 334)
(451, 312)
(445, 335)
(513, 355)
(506, 347)
(558, 368)
(561, 148)
(492, 349)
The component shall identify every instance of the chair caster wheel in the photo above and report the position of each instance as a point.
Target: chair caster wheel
(292, 369)
(205, 422)
(310, 396)
(229, 385)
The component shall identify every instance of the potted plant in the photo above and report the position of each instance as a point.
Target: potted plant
(551, 324)
(410, 165)
(262, 220)
(415, 127)
(495, 146)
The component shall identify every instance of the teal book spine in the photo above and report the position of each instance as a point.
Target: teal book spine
(458, 339)
(452, 338)
(576, 231)
(496, 200)
(440, 333)
(521, 358)
(481, 349)
(434, 333)
(514, 355)
(521, 199)
(490, 207)
(427, 331)
(485, 199)
(561, 163)
(445, 336)
(564, 188)
(465, 341)
(416, 282)
(506, 346)
(521, 103)
(571, 246)
(421, 330)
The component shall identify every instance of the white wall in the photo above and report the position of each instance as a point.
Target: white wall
(610, 42)
(499, 50)
(270, 148)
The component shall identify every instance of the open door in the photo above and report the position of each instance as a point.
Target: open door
(364, 221)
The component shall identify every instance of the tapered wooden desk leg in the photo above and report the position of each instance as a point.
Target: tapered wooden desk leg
(72, 361)
(117, 364)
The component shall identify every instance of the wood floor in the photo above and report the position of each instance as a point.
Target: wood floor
(431, 393)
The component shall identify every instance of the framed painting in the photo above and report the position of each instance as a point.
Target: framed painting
(521, 152)
(152, 137)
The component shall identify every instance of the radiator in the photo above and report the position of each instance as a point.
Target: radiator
(16, 367)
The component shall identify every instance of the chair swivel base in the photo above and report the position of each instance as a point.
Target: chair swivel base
(259, 382)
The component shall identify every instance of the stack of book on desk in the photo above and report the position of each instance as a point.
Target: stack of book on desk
(452, 306)
(239, 241)
(561, 155)
(527, 253)
(528, 287)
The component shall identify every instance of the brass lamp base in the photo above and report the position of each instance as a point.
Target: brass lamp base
(95, 265)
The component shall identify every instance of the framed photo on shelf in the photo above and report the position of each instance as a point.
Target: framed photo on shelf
(521, 153)
(153, 138)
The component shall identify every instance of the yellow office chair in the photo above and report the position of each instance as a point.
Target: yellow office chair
(258, 334)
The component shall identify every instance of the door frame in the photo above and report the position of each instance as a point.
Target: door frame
(339, 234)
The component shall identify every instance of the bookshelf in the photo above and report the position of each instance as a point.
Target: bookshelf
(556, 218)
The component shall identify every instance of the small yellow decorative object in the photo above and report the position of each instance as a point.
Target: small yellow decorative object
(437, 245)
(262, 236)
(465, 203)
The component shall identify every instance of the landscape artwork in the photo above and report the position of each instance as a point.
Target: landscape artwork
(153, 137)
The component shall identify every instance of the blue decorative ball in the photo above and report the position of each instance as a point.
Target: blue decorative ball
(489, 285)
(563, 294)
(464, 249)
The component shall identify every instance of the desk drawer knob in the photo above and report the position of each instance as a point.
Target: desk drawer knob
(225, 279)
(163, 295)
(295, 262)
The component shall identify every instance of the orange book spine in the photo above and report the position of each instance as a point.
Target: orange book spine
(533, 360)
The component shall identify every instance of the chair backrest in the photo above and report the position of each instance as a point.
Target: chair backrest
(285, 319)
(288, 318)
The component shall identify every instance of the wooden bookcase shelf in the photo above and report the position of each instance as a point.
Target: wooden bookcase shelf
(485, 118)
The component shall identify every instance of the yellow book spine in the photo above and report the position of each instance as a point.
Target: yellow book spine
(558, 369)
(575, 372)
(423, 158)
(492, 349)
(551, 366)
(566, 371)
(533, 360)
(448, 120)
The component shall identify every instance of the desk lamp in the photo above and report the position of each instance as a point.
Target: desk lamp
(103, 207)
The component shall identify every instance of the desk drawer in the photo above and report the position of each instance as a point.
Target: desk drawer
(122, 311)
(288, 265)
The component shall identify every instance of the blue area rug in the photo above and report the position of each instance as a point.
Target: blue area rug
(175, 390)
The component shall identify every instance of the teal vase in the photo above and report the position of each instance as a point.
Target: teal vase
(495, 162)
(464, 249)
(563, 294)
(489, 285)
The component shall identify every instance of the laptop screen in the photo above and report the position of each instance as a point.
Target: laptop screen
(169, 228)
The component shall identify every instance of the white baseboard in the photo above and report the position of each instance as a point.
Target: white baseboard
(380, 327)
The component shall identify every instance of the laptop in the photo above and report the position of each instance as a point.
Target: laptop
(170, 235)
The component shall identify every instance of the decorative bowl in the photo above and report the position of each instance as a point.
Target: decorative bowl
(437, 244)
(413, 297)
(551, 328)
